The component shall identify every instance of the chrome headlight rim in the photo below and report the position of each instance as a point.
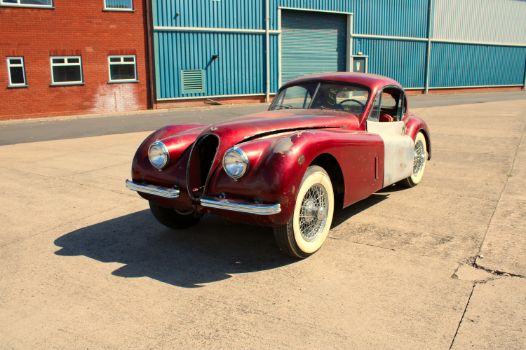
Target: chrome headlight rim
(244, 160)
(165, 154)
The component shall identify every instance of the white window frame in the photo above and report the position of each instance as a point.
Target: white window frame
(118, 9)
(122, 57)
(66, 58)
(9, 65)
(18, 4)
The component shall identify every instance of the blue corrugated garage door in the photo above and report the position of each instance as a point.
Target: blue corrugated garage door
(312, 43)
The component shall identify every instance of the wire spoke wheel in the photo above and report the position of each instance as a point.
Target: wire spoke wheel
(313, 212)
(420, 160)
(309, 226)
(420, 157)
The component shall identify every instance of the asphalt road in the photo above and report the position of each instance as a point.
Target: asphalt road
(12, 132)
(84, 265)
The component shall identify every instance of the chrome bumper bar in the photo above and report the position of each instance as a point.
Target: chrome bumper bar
(171, 193)
(240, 207)
(256, 209)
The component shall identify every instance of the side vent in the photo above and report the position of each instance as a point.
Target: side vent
(192, 81)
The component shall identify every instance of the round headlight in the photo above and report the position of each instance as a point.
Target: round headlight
(235, 162)
(158, 155)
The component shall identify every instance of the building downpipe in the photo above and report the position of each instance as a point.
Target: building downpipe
(267, 50)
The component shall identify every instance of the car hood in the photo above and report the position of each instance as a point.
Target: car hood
(272, 122)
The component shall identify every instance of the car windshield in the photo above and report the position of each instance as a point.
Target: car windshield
(323, 95)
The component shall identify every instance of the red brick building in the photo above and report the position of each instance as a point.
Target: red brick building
(72, 57)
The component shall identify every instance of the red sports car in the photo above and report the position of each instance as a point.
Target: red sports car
(326, 142)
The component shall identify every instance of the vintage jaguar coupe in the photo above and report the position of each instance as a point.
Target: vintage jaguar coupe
(326, 142)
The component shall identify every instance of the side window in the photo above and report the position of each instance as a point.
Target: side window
(122, 69)
(118, 5)
(16, 72)
(374, 115)
(27, 3)
(388, 102)
(66, 70)
(392, 108)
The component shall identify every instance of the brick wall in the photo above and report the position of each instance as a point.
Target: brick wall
(71, 28)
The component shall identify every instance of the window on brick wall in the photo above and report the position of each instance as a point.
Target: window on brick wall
(27, 3)
(16, 72)
(118, 5)
(66, 70)
(122, 69)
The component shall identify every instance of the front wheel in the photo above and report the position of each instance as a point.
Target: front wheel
(172, 218)
(419, 165)
(311, 221)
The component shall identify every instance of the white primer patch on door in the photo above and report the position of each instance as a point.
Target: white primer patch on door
(399, 150)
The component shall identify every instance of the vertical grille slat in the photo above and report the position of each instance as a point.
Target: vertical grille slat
(200, 164)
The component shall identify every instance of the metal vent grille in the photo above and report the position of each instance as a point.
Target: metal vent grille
(192, 81)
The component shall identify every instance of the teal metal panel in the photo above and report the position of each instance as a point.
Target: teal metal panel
(476, 65)
(238, 70)
(246, 14)
(312, 44)
(403, 61)
(379, 17)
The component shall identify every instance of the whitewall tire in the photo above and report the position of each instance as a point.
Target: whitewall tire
(311, 221)
(419, 165)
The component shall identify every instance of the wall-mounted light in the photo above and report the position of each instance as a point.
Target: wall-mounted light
(215, 57)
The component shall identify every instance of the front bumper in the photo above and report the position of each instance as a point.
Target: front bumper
(170, 193)
(223, 204)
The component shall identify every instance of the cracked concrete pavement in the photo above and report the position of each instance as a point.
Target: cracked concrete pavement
(84, 265)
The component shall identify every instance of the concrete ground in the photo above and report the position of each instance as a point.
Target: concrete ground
(83, 264)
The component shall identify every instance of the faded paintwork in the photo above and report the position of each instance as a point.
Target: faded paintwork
(280, 146)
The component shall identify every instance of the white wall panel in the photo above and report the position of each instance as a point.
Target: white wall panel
(500, 21)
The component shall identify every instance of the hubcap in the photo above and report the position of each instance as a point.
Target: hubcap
(420, 157)
(313, 212)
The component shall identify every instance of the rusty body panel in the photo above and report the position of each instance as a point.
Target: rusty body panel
(280, 145)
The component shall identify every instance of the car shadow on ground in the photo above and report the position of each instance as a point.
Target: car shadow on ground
(211, 251)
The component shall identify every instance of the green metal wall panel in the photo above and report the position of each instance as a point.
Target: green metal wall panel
(312, 43)
(380, 17)
(403, 61)
(238, 70)
(476, 65)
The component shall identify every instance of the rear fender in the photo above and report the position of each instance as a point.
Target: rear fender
(414, 125)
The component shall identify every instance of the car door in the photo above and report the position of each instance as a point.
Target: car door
(385, 120)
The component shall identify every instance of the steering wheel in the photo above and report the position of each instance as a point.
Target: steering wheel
(351, 100)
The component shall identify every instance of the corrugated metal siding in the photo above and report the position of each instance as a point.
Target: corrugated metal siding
(481, 20)
(239, 70)
(246, 14)
(381, 17)
(312, 43)
(403, 61)
(476, 65)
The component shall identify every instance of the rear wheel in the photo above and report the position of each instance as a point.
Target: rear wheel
(173, 218)
(419, 165)
(309, 226)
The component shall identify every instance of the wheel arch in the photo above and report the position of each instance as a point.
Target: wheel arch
(428, 142)
(333, 168)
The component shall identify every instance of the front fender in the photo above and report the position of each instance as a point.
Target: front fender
(278, 163)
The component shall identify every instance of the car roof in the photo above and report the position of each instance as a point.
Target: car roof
(372, 81)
